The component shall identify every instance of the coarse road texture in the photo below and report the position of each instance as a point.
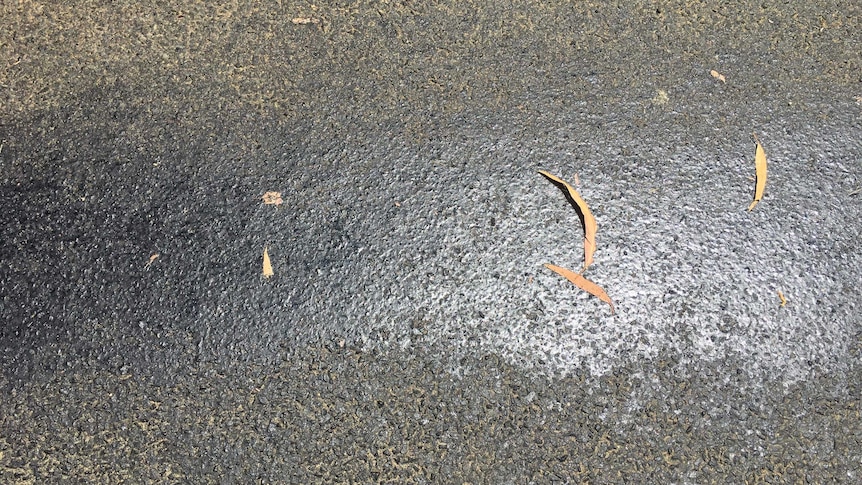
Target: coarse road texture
(410, 333)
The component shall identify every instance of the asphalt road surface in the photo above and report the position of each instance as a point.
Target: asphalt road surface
(410, 332)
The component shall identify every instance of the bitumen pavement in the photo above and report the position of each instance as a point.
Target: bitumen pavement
(410, 332)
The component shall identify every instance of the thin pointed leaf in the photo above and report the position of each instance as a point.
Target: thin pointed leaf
(588, 222)
(760, 173)
(267, 265)
(583, 283)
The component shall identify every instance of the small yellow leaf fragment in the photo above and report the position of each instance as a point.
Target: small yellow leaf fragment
(304, 20)
(154, 257)
(587, 219)
(760, 173)
(661, 98)
(718, 75)
(583, 283)
(272, 198)
(267, 265)
(781, 297)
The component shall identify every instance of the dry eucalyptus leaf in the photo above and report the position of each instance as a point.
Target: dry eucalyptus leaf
(583, 284)
(587, 220)
(154, 257)
(272, 198)
(760, 173)
(267, 265)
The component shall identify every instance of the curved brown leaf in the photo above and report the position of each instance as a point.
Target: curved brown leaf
(583, 284)
(588, 222)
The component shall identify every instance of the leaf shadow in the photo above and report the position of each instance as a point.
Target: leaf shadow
(571, 200)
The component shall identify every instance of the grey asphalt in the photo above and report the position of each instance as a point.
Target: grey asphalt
(410, 333)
